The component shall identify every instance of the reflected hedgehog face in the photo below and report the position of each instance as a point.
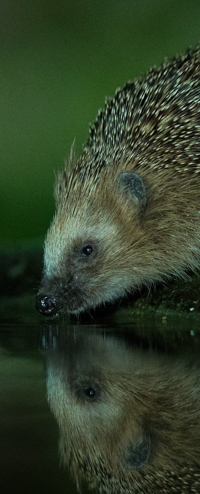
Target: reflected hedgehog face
(122, 414)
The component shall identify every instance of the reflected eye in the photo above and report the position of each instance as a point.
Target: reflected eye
(89, 392)
(87, 251)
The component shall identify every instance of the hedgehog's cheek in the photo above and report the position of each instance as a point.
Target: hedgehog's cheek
(137, 453)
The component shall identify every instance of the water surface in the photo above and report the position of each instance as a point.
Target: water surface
(29, 433)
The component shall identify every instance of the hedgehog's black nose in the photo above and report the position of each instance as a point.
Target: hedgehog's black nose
(45, 305)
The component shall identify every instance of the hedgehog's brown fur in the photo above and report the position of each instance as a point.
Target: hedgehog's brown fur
(138, 396)
(151, 128)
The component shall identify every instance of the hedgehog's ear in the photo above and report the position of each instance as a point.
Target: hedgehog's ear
(132, 187)
(136, 453)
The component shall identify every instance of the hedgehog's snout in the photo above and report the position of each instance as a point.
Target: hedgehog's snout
(46, 305)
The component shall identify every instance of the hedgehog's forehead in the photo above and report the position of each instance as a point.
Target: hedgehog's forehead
(69, 229)
(69, 232)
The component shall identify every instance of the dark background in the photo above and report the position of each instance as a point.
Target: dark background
(59, 59)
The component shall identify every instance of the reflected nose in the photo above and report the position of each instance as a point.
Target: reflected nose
(46, 305)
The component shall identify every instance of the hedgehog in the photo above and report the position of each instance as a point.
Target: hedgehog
(127, 210)
(129, 419)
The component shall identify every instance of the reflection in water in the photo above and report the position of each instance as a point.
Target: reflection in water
(128, 418)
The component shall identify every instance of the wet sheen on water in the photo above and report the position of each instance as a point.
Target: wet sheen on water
(67, 396)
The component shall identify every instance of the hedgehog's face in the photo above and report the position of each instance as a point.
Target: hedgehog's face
(81, 269)
(86, 249)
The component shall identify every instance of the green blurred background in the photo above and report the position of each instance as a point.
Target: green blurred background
(59, 59)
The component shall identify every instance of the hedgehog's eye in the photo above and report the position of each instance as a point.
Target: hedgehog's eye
(89, 392)
(87, 251)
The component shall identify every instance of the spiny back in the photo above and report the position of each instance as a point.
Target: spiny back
(153, 122)
(164, 93)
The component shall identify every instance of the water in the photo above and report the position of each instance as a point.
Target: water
(31, 347)
(29, 460)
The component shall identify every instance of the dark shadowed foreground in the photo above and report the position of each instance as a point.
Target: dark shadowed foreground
(129, 418)
(100, 374)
